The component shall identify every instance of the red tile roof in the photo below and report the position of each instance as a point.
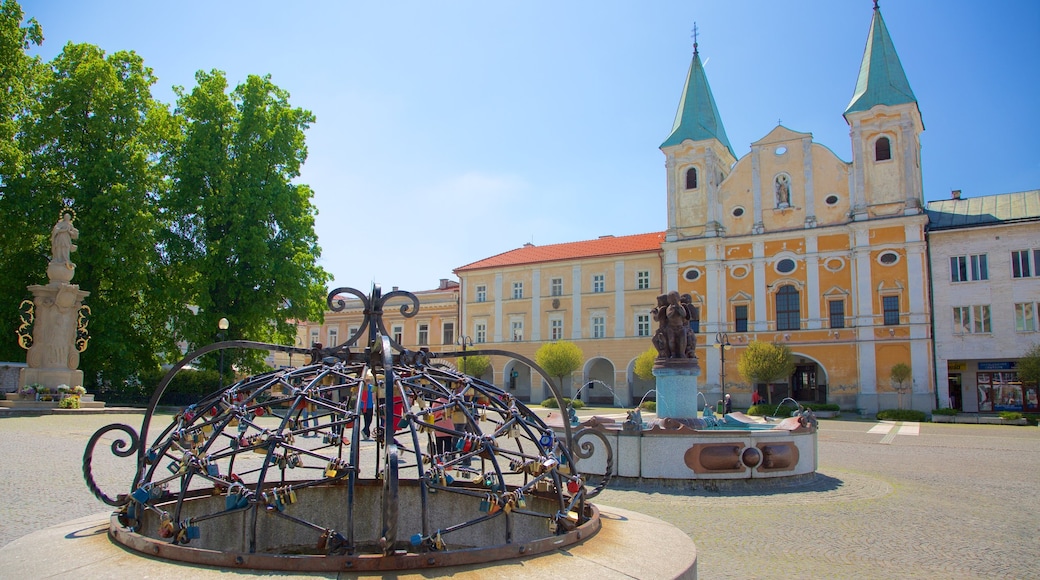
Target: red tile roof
(603, 246)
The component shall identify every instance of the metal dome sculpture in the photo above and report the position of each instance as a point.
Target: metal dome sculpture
(272, 471)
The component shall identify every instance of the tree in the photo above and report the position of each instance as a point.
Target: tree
(474, 366)
(1029, 365)
(900, 373)
(559, 359)
(21, 248)
(243, 232)
(644, 367)
(95, 134)
(763, 362)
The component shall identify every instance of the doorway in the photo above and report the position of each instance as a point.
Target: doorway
(803, 383)
(954, 381)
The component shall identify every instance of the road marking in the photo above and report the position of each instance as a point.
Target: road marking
(910, 428)
(890, 430)
(881, 428)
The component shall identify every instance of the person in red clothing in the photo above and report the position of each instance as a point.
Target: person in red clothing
(755, 397)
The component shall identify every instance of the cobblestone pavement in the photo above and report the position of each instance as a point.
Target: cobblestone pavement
(953, 501)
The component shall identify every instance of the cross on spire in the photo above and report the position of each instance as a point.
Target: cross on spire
(694, 36)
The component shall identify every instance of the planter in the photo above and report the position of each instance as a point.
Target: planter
(943, 418)
(827, 414)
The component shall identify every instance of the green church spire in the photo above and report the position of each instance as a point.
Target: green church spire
(697, 118)
(881, 77)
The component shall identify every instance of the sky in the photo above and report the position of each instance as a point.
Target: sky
(451, 131)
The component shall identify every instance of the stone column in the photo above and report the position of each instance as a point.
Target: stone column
(677, 391)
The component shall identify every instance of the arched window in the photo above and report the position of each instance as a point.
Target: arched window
(691, 178)
(788, 309)
(882, 149)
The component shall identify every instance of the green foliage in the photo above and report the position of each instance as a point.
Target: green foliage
(649, 406)
(644, 366)
(560, 358)
(70, 402)
(763, 362)
(550, 403)
(767, 410)
(243, 231)
(474, 366)
(901, 415)
(18, 76)
(1032, 419)
(1010, 415)
(945, 411)
(1029, 365)
(822, 406)
(900, 373)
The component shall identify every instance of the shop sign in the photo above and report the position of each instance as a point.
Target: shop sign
(957, 365)
(1003, 365)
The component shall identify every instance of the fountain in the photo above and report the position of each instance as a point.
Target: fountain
(682, 446)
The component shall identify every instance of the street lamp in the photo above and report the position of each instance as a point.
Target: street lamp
(222, 326)
(464, 341)
(722, 343)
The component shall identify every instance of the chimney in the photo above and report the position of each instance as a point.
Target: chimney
(444, 283)
(955, 194)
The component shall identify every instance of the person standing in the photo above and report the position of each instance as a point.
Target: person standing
(729, 404)
(367, 404)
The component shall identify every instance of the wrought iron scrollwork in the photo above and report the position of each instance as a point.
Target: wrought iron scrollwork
(119, 449)
(373, 309)
(585, 449)
(26, 315)
(82, 335)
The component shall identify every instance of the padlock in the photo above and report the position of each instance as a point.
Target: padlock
(485, 504)
(546, 440)
(166, 529)
(151, 456)
(494, 506)
(192, 532)
(416, 539)
(141, 494)
(573, 485)
(212, 469)
(292, 495)
(521, 501)
(331, 470)
(438, 542)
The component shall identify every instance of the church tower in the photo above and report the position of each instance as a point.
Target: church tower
(885, 128)
(698, 157)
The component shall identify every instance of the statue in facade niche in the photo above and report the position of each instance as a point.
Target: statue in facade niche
(62, 235)
(783, 191)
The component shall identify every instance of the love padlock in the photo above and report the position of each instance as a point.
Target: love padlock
(485, 504)
(573, 485)
(142, 494)
(166, 529)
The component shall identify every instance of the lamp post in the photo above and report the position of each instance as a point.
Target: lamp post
(222, 326)
(464, 341)
(722, 343)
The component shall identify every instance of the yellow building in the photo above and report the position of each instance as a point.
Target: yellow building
(786, 244)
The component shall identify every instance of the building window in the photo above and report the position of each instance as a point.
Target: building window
(599, 326)
(1020, 263)
(971, 319)
(448, 333)
(1025, 317)
(556, 329)
(333, 337)
(882, 149)
(691, 178)
(315, 336)
(786, 266)
(959, 268)
(518, 290)
(517, 328)
(599, 283)
(695, 320)
(691, 274)
(642, 325)
(556, 287)
(398, 334)
(481, 293)
(480, 332)
(890, 306)
(837, 313)
(740, 318)
(643, 280)
(788, 308)
(424, 334)
(888, 258)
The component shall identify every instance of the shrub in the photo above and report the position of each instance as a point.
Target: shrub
(71, 402)
(901, 415)
(822, 406)
(650, 406)
(1032, 419)
(945, 411)
(1010, 415)
(765, 409)
(550, 403)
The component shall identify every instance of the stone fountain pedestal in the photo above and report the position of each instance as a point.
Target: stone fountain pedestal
(677, 389)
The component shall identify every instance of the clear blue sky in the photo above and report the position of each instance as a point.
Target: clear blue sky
(451, 131)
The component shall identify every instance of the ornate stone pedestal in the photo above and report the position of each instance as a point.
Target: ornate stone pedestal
(677, 390)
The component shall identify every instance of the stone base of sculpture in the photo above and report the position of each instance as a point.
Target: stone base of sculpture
(52, 377)
(677, 388)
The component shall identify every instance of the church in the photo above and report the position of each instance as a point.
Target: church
(786, 244)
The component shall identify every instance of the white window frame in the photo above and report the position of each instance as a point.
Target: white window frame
(974, 319)
(333, 336)
(975, 266)
(599, 283)
(398, 332)
(642, 324)
(516, 330)
(481, 293)
(643, 280)
(422, 334)
(1025, 317)
(479, 332)
(445, 327)
(556, 287)
(518, 290)
(1020, 263)
(555, 329)
(598, 324)
(315, 335)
